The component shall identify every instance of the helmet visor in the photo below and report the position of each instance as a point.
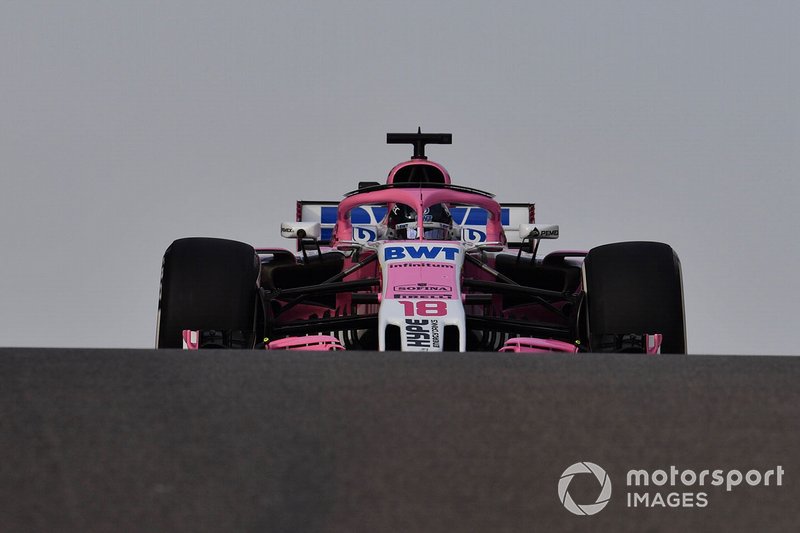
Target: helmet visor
(432, 230)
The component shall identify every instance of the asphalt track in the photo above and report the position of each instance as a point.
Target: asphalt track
(140, 440)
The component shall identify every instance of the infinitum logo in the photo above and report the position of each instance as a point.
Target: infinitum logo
(589, 508)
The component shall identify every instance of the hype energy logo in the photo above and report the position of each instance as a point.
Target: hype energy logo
(589, 508)
(670, 487)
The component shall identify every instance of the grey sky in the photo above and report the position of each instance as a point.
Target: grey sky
(126, 125)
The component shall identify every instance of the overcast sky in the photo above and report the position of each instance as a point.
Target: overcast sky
(126, 125)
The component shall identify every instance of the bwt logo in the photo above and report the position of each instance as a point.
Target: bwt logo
(590, 508)
(362, 234)
(473, 235)
(419, 252)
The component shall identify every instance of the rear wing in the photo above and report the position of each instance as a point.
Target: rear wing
(512, 215)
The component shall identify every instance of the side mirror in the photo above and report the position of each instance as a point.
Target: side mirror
(301, 230)
(538, 231)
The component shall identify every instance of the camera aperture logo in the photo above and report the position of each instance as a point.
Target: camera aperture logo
(587, 508)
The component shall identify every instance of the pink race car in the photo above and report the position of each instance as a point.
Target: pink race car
(420, 264)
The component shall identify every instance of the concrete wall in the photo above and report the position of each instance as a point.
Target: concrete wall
(138, 440)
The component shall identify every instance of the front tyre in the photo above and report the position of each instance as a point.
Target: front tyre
(634, 289)
(207, 284)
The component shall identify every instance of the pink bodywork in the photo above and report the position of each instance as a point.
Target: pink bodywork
(535, 345)
(653, 343)
(191, 339)
(434, 280)
(310, 343)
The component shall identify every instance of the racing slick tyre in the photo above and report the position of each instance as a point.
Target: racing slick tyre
(633, 289)
(207, 284)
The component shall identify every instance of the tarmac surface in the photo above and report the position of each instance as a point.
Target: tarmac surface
(144, 440)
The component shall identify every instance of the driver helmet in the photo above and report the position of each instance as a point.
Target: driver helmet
(437, 222)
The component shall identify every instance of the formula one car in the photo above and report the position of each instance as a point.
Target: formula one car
(420, 264)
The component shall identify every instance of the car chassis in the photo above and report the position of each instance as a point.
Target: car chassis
(350, 286)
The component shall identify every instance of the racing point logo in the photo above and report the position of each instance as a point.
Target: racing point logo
(589, 508)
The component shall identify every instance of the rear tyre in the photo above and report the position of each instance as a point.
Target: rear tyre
(633, 289)
(207, 284)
